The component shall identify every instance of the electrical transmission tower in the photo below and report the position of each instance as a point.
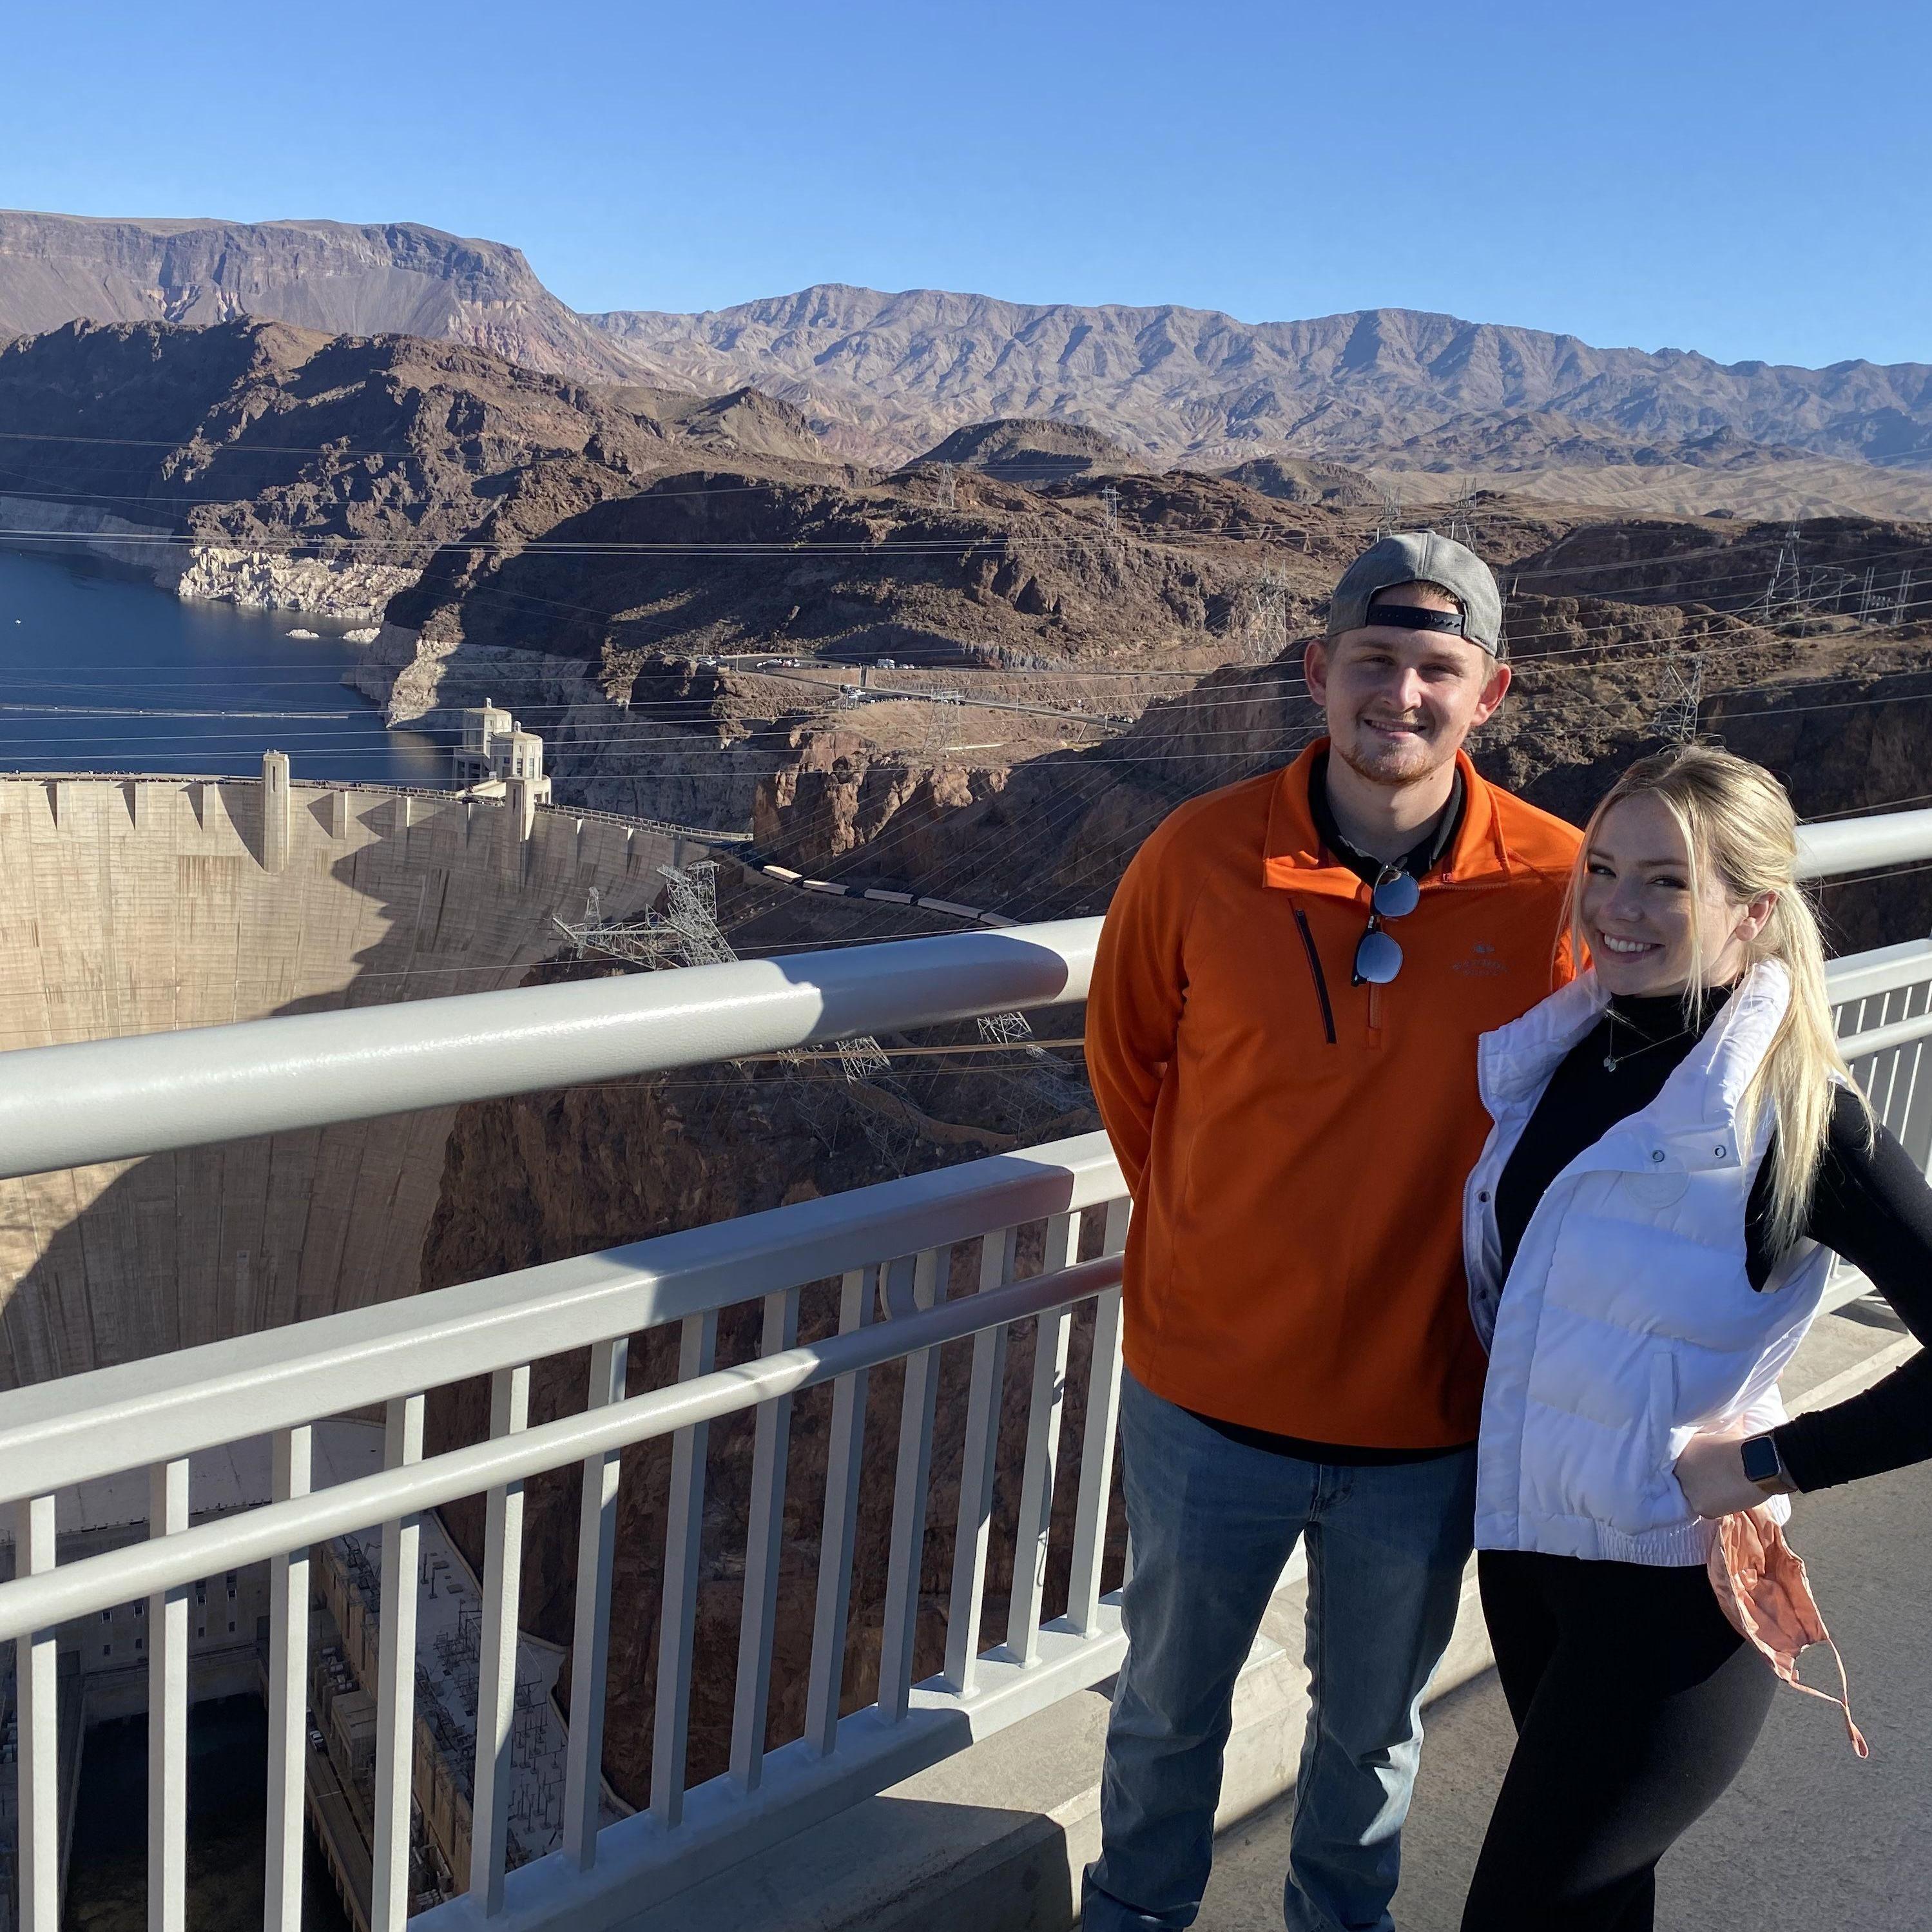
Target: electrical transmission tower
(942, 718)
(1902, 603)
(948, 498)
(1870, 608)
(1268, 631)
(1683, 694)
(690, 912)
(1009, 1029)
(649, 942)
(1110, 517)
(686, 933)
(1391, 519)
(1462, 530)
(1784, 594)
(1826, 586)
(863, 1058)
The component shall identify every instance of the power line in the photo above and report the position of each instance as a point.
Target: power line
(642, 733)
(284, 668)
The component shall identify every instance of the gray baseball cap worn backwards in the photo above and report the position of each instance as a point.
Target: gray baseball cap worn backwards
(1421, 557)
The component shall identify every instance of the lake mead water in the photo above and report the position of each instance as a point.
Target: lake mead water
(99, 671)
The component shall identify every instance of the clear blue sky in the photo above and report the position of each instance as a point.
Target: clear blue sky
(1750, 179)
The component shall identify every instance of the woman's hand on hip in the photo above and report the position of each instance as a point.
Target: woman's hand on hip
(1711, 1473)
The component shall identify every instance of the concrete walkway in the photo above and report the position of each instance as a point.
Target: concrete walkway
(1808, 1838)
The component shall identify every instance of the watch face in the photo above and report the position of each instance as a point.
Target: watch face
(1760, 1460)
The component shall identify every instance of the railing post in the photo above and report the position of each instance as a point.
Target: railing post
(1030, 1539)
(836, 1538)
(1097, 1441)
(167, 1713)
(36, 1661)
(590, 1650)
(497, 1656)
(978, 1470)
(764, 1543)
(900, 1637)
(697, 1344)
(288, 1697)
(396, 1682)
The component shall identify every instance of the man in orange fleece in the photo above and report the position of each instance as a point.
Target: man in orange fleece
(1282, 1036)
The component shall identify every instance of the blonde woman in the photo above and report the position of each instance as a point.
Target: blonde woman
(1677, 1154)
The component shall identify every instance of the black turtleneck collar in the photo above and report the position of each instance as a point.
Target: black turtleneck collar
(1662, 1016)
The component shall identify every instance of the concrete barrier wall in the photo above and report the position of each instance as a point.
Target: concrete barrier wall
(135, 905)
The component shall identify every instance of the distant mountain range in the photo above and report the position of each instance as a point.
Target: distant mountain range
(1180, 383)
(882, 378)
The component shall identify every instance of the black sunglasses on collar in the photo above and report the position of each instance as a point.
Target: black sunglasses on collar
(1378, 959)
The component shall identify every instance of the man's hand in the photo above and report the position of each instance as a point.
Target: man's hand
(1711, 1473)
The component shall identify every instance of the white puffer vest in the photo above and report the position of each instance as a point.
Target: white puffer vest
(1628, 1323)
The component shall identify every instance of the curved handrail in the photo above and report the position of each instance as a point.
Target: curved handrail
(1830, 847)
(149, 1093)
(123, 1097)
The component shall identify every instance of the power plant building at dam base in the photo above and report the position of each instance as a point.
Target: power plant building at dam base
(136, 905)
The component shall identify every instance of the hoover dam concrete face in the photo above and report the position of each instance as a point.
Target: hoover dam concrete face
(134, 905)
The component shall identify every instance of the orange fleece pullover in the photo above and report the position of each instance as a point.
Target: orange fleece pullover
(1296, 1146)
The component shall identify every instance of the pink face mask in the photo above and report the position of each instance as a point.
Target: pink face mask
(1762, 1588)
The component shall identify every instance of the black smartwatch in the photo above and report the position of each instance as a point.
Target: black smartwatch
(1764, 1466)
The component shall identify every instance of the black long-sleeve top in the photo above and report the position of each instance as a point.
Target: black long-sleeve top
(1871, 1204)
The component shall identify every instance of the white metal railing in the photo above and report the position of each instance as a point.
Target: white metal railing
(896, 1251)
(898, 1307)
(152, 1092)
(1882, 1003)
(1834, 847)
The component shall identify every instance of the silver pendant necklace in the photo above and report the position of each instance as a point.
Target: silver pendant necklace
(1612, 1059)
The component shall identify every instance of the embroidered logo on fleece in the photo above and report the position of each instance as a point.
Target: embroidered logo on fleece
(1484, 962)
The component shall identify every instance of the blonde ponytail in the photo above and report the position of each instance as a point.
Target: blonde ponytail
(1738, 823)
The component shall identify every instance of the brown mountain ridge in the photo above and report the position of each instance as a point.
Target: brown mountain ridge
(883, 376)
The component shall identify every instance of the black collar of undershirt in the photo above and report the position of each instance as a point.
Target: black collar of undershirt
(1418, 861)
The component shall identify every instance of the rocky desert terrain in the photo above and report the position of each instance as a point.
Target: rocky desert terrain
(275, 466)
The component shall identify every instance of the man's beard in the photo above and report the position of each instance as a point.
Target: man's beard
(1402, 764)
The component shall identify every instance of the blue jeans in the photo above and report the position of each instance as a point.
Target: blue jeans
(1213, 1523)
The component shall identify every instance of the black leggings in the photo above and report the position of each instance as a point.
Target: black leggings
(1636, 1704)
